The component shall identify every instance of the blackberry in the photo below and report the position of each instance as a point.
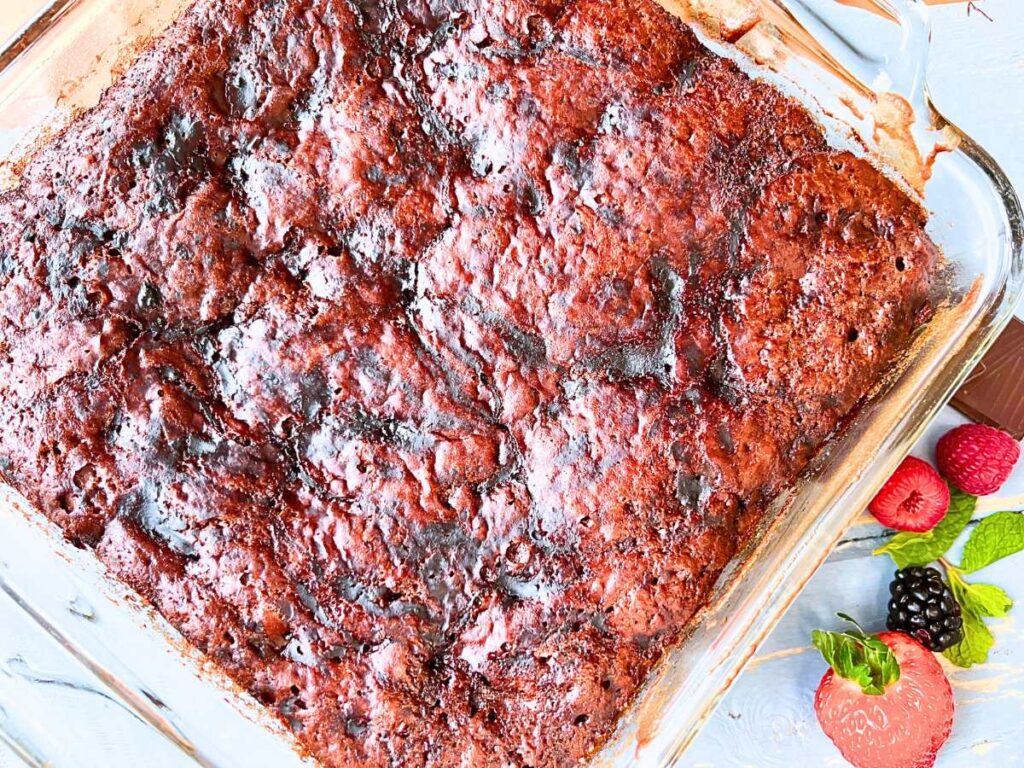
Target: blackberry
(923, 607)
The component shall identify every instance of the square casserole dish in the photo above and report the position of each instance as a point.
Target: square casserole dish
(858, 65)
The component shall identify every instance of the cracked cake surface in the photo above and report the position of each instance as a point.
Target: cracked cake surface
(424, 362)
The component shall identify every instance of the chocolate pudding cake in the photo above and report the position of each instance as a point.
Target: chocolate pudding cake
(424, 362)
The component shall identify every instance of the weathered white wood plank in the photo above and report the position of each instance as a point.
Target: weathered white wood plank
(976, 76)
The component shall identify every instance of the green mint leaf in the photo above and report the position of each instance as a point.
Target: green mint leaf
(997, 536)
(907, 549)
(862, 658)
(988, 600)
(979, 599)
(976, 601)
(974, 648)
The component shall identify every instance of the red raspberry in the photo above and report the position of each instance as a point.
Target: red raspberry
(915, 498)
(976, 458)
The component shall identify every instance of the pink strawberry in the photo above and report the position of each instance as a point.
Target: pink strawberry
(904, 726)
(915, 498)
(977, 458)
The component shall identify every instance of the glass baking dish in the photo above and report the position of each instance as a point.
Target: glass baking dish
(859, 65)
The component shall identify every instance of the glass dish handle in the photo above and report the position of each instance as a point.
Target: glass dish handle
(893, 64)
(880, 50)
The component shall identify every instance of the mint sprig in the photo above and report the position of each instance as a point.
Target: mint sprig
(976, 601)
(974, 647)
(982, 599)
(858, 656)
(907, 549)
(996, 536)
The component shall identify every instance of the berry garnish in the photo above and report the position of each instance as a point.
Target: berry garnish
(977, 458)
(923, 607)
(915, 498)
(885, 702)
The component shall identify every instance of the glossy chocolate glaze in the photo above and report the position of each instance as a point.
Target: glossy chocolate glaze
(425, 361)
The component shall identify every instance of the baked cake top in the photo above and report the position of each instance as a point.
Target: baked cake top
(425, 361)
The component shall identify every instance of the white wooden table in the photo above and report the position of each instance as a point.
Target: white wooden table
(977, 79)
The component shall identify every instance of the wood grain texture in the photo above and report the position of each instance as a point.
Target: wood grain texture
(976, 77)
